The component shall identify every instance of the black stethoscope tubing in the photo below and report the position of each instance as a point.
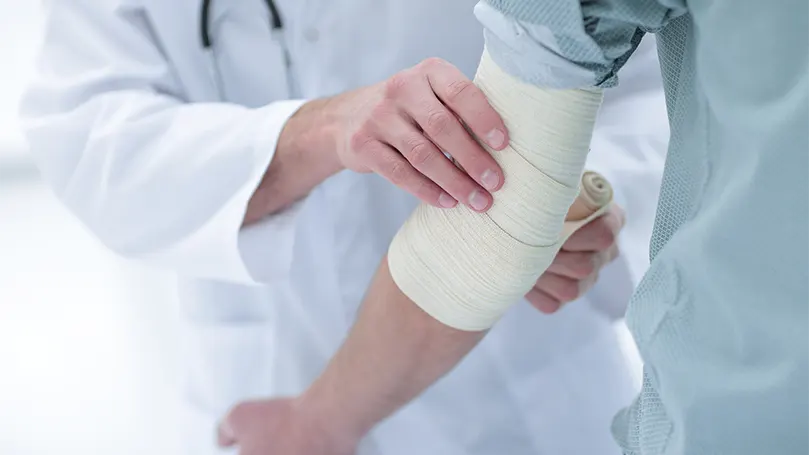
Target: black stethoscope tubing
(205, 21)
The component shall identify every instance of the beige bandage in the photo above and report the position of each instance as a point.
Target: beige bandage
(465, 268)
(593, 200)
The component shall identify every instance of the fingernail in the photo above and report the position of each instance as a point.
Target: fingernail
(490, 179)
(477, 200)
(446, 201)
(495, 138)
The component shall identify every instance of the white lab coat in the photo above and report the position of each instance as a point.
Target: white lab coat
(157, 144)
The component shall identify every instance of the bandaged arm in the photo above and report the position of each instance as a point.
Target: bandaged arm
(451, 274)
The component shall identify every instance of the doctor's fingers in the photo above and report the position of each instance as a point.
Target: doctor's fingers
(443, 128)
(426, 158)
(467, 101)
(416, 96)
(390, 164)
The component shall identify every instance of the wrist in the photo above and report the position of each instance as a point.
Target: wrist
(310, 134)
(304, 157)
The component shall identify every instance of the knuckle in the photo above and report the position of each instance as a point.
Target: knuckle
(419, 152)
(459, 89)
(395, 85)
(397, 173)
(380, 112)
(432, 63)
(438, 122)
(380, 118)
(361, 141)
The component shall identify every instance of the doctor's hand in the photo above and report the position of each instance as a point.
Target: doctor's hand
(399, 128)
(575, 269)
(281, 427)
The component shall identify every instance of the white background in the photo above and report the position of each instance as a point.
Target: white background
(88, 343)
(19, 32)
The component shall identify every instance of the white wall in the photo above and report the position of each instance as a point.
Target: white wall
(88, 357)
(88, 345)
(20, 28)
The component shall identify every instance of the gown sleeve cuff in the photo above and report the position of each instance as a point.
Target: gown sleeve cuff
(222, 249)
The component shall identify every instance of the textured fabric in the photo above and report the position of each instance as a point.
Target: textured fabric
(598, 36)
(721, 316)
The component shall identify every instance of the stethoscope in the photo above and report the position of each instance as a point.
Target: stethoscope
(205, 21)
(276, 23)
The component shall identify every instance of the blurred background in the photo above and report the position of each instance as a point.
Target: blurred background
(88, 342)
(89, 359)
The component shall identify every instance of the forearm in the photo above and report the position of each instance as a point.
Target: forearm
(401, 345)
(304, 157)
(452, 273)
(394, 351)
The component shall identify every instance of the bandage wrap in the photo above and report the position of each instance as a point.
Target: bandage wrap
(465, 268)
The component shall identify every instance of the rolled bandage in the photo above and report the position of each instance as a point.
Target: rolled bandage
(594, 199)
(465, 268)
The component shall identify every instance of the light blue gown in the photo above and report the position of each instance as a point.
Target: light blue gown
(721, 317)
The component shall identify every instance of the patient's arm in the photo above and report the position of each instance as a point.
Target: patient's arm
(394, 351)
(451, 273)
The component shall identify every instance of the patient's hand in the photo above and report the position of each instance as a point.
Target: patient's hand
(282, 427)
(575, 269)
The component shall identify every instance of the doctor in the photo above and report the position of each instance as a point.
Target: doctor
(210, 137)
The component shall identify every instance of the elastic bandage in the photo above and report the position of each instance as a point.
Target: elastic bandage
(465, 268)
